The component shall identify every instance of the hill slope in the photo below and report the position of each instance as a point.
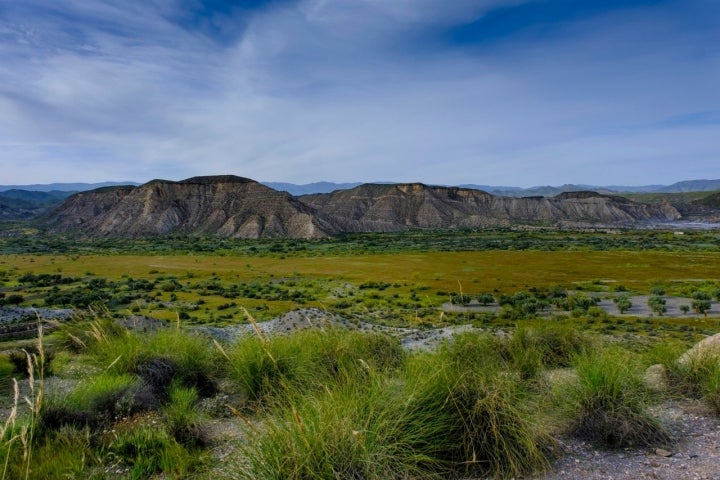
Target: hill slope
(224, 205)
(372, 207)
(238, 207)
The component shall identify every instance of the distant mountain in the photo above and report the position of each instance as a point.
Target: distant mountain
(63, 187)
(372, 207)
(308, 188)
(549, 191)
(23, 204)
(509, 191)
(692, 186)
(239, 207)
(226, 206)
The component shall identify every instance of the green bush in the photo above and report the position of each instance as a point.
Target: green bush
(151, 450)
(181, 415)
(308, 359)
(434, 420)
(696, 376)
(608, 402)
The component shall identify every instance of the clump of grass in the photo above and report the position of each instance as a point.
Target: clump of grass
(7, 368)
(94, 403)
(695, 375)
(338, 433)
(526, 351)
(307, 360)
(608, 402)
(158, 358)
(64, 453)
(150, 450)
(430, 419)
(22, 431)
(182, 418)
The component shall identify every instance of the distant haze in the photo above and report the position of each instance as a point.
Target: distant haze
(327, 187)
(488, 92)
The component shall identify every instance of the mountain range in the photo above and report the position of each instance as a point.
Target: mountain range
(239, 207)
(233, 206)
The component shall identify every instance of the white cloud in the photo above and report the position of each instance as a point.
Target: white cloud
(339, 91)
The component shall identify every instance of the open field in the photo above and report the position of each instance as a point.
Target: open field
(395, 360)
(398, 282)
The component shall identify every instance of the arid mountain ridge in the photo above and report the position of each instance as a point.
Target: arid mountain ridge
(231, 206)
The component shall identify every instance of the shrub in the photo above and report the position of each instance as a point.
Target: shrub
(697, 376)
(623, 303)
(608, 403)
(481, 425)
(433, 421)
(151, 450)
(657, 304)
(92, 404)
(308, 359)
(14, 299)
(183, 420)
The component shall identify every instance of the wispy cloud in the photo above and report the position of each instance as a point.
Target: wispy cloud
(359, 90)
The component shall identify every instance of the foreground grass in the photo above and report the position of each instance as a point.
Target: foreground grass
(330, 403)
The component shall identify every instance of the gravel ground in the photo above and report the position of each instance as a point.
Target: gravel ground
(696, 454)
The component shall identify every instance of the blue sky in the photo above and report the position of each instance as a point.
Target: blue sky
(499, 92)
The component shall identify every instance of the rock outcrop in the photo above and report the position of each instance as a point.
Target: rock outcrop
(226, 206)
(372, 207)
(231, 206)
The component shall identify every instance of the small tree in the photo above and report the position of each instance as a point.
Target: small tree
(701, 302)
(685, 309)
(14, 299)
(657, 304)
(701, 306)
(657, 290)
(485, 298)
(623, 303)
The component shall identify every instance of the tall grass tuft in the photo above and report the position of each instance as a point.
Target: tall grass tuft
(182, 417)
(18, 434)
(429, 419)
(307, 360)
(608, 402)
(484, 412)
(696, 375)
(150, 450)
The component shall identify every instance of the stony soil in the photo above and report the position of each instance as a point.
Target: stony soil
(695, 455)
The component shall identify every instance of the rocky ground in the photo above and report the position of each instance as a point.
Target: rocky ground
(695, 454)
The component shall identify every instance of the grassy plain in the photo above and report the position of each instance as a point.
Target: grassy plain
(395, 277)
(324, 403)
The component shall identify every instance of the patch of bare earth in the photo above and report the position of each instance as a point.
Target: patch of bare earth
(695, 455)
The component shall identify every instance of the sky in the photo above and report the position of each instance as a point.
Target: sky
(491, 92)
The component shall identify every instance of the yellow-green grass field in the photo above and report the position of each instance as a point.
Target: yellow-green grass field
(419, 282)
(502, 271)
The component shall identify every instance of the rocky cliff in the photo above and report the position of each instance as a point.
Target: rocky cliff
(225, 205)
(396, 207)
(239, 207)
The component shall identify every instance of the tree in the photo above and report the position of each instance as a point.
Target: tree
(657, 304)
(701, 302)
(657, 290)
(623, 303)
(685, 309)
(485, 298)
(14, 299)
(701, 306)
